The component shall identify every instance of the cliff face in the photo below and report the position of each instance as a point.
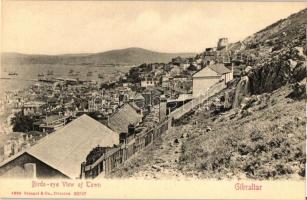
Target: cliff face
(285, 66)
(279, 51)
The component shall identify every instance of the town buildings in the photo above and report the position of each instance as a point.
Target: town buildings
(33, 108)
(142, 98)
(149, 82)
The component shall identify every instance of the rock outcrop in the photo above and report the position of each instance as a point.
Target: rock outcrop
(285, 66)
(242, 90)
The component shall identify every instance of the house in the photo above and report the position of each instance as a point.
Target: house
(148, 98)
(166, 79)
(138, 109)
(180, 78)
(34, 107)
(139, 100)
(176, 70)
(52, 123)
(185, 65)
(209, 76)
(19, 141)
(60, 154)
(123, 117)
(149, 82)
(155, 95)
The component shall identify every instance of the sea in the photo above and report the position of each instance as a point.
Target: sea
(28, 74)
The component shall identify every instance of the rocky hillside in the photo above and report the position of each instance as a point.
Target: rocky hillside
(253, 129)
(263, 139)
(280, 54)
(129, 56)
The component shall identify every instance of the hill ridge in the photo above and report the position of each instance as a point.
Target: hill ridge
(129, 56)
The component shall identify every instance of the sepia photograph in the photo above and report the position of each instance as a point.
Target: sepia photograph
(100, 91)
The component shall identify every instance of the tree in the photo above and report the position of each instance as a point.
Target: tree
(192, 68)
(134, 74)
(22, 123)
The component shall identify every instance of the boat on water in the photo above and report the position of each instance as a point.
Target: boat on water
(71, 71)
(40, 74)
(100, 76)
(89, 73)
(48, 80)
(50, 72)
(13, 74)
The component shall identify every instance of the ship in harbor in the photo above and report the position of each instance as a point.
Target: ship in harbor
(47, 80)
(13, 73)
(89, 73)
(50, 72)
(100, 76)
(75, 74)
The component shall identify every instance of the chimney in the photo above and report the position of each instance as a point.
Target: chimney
(82, 174)
(30, 170)
(122, 138)
(131, 129)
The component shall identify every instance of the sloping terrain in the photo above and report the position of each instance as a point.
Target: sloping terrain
(129, 56)
(263, 140)
(289, 29)
(260, 134)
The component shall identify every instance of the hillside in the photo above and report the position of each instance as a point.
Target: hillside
(264, 140)
(254, 129)
(129, 56)
(289, 29)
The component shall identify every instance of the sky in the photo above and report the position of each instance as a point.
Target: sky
(54, 27)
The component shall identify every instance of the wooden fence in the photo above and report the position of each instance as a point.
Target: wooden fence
(137, 142)
(185, 108)
(118, 155)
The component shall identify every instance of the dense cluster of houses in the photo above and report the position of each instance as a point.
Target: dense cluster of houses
(140, 100)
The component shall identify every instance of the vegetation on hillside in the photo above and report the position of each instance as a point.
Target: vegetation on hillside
(265, 139)
(22, 123)
(260, 134)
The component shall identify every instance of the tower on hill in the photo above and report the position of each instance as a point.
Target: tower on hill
(222, 43)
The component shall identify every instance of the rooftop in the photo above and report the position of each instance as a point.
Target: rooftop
(34, 104)
(220, 69)
(120, 120)
(65, 149)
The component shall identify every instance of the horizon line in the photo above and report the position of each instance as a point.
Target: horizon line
(97, 52)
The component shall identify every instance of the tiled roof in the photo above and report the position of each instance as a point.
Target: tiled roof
(219, 68)
(65, 149)
(120, 120)
(139, 96)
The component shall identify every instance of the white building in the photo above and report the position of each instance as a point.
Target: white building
(149, 82)
(209, 76)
